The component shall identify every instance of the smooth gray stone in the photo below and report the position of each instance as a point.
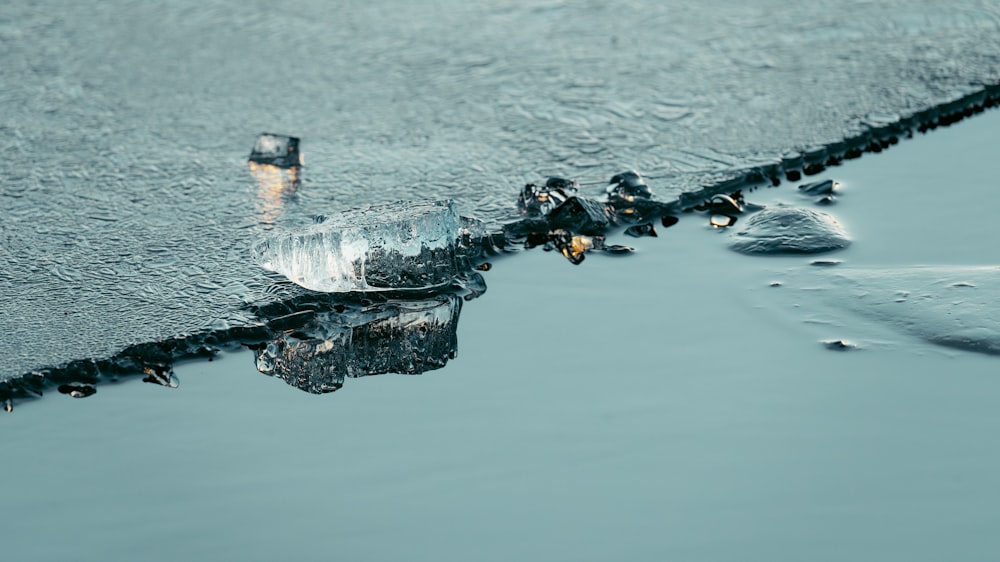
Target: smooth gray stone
(790, 230)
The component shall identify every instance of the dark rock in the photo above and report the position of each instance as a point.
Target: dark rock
(628, 186)
(162, 375)
(574, 247)
(541, 200)
(77, 390)
(724, 205)
(617, 249)
(578, 214)
(839, 345)
(813, 169)
(825, 187)
(640, 230)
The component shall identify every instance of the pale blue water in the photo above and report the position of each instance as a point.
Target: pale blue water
(666, 405)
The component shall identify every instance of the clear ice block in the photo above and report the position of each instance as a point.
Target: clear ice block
(399, 246)
(276, 150)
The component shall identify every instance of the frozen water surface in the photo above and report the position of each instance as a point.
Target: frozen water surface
(128, 210)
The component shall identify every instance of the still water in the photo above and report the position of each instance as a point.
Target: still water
(672, 404)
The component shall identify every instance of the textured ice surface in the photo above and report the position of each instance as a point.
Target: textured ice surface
(126, 208)
(403, 245)
(790, 230)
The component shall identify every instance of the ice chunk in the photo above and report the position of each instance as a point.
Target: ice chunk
(408, 337)
(277, 150)
(825, 187)
(77, 390)
(640, 230)
(401, 245)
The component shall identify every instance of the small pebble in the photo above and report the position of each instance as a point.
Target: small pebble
(77, 390)
(839, 345)
(641, 230)
(617, 249)
(722, 221)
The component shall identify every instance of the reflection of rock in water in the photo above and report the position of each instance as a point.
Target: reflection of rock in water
(406, 337)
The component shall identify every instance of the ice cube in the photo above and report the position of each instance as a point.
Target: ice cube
(277, 150)
(399, 246)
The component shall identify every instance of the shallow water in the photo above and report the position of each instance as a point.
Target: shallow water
(128, 209)
(666, 405)
(669, 404)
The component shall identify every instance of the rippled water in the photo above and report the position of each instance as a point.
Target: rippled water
(128, 208)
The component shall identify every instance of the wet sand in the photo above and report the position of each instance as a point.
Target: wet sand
(668, 405)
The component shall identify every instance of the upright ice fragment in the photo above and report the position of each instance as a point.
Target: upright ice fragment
(277, 150)
(401, 245)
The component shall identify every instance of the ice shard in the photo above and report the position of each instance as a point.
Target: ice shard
(277, 150)
(399, 246)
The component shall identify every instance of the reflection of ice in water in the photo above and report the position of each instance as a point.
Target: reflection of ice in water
(396, 337)
(396, 246)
